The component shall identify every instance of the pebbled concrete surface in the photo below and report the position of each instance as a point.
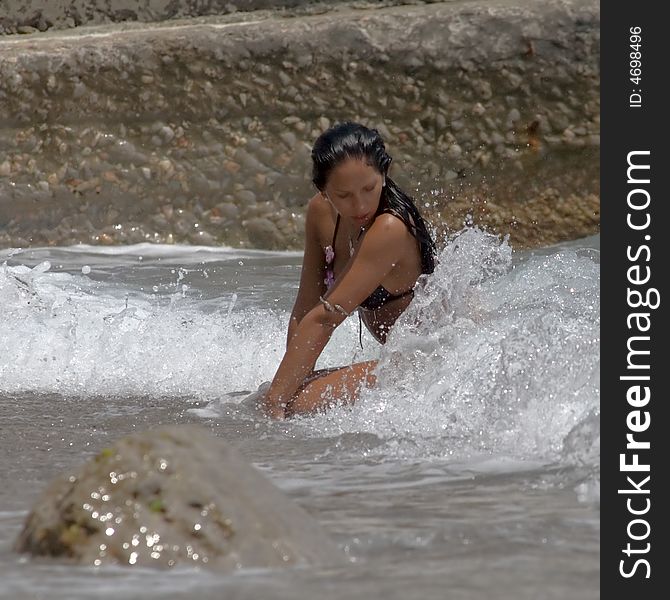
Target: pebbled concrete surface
(124, 133)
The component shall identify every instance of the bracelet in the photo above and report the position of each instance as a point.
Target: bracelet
(330, 308)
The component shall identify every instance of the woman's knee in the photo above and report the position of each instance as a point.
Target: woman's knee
(337, 386)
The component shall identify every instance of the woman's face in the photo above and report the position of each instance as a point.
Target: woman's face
(354, 188)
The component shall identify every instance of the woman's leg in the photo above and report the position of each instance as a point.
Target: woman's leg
(332, 386)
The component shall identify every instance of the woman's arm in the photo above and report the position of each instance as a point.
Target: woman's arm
(312, 274)
(378, 254)
(309, 339)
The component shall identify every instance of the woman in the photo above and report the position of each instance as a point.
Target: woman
(365, 247)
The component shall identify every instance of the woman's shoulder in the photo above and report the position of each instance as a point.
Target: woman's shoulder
(319, 210)
(319, 218)
(386, 232)
(390, 223)
(318, 206)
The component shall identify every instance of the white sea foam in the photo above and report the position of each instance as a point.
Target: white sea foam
(68, 334)
(178, 251)
(491, 357)
(495, 357)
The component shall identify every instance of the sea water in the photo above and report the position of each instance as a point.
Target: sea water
(470, 471)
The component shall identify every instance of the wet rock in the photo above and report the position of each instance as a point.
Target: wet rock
(250, 162)
(202, 238)
(126, 152)
(454, 151)
(231, 166)
(227, 210)
(160, 222)
(263, 233)
(513, 116)
(559, 122)
(183, 226)
(173, 496)
(167, 133)
(246, 197)
(457, 125)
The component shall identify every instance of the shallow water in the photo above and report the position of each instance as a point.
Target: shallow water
(471, 471)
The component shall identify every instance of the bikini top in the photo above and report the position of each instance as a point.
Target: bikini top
(378, 298)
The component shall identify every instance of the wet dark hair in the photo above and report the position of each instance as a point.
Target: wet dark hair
(353, 140)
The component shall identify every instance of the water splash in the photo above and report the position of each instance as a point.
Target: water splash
(66, 334)
(497, 355)
(71, 335)
(492, 356)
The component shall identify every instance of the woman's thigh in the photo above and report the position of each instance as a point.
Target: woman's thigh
(335, 386)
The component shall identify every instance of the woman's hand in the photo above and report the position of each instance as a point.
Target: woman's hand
(275, 411)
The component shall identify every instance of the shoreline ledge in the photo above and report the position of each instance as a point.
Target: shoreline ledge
(199, 130)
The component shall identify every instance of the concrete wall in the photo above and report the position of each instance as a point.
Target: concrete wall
(202, 132)
(26, 16)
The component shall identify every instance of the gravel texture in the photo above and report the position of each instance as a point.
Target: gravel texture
(200, 130)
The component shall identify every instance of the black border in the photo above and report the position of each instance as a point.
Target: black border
(625, 129)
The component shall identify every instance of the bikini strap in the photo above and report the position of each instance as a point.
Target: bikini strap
(337, 225)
